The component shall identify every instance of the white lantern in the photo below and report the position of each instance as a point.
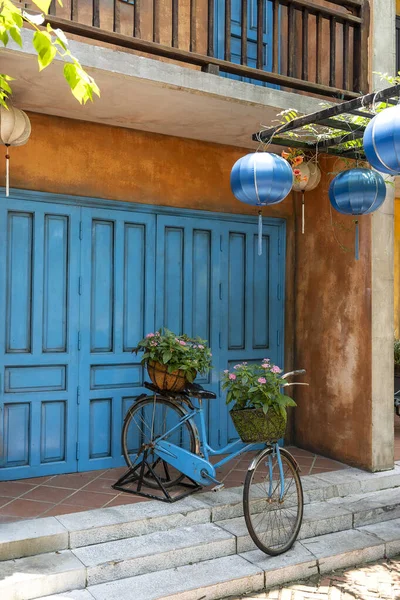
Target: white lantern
(306, 181)
(15, 129)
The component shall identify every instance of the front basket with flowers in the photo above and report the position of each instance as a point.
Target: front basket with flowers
(174, 360)
(259, 410)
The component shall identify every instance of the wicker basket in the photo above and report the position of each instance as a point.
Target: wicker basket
(253, 425)
(173, 382)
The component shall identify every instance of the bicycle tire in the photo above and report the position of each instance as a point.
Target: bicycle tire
(254, 504)
(159, 401)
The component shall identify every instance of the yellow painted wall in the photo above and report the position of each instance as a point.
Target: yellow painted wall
(398, 7)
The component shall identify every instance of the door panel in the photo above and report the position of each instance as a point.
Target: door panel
(252, 318)
(187, 290)
(117, 309)
(39, 311)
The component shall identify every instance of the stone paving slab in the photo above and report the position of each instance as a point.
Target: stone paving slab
(154, 552)
(71, 595)
(344, 549)
(207, 580)
(297, 563)
(31, 537)
(319, 519)
(106, 524)
(372, 507)
(42, 575)
(388, 531)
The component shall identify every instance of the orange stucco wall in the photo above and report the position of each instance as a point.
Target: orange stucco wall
(327, 328)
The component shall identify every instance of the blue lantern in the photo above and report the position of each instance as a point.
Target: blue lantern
(357, 192)
(260, 179)
(382, 141)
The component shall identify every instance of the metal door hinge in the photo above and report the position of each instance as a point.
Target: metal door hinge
(220, 243)
(77, 450)
(278, 291)
(79, 340)
(220, 291)
(219, 437)
(220, 339)
(80, 286)
(80, 230)
(279, 245)
(278, 338)
(78, 395)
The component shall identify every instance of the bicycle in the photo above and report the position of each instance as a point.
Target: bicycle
(161, 441)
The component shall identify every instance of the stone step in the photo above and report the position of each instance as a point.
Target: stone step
(154, 552)
(336, 514)
(32, 537)
(252, 571)
(101, 563)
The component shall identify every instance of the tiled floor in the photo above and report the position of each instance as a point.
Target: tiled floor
(75, 492)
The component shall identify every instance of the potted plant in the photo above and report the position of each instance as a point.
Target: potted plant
(259, 410)
(174, 360)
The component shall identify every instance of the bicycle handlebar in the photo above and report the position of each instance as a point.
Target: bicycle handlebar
(291, 373)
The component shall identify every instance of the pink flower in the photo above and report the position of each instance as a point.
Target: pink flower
(265, 365)
(210, 353)
(262, 380)
(182, 343)
(150, 335)
(232, 376)
(201, 346)
(153, 343)
(226, 371)
(237, 366)
(276, 369)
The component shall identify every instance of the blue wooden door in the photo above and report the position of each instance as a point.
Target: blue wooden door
(39, 312)
(117, 309)
(252, 306)
(236, 35)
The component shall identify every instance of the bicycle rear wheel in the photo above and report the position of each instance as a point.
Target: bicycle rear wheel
(146, 421)
(273, 519)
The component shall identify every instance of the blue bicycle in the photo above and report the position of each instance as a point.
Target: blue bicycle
(160, 439)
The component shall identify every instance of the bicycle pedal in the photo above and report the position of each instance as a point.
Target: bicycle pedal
(218, 488)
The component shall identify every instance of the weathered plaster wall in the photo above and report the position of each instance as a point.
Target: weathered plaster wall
(333, 333)
(332, 302)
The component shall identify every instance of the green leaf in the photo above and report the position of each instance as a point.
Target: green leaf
(167, 356)
(43, 5)
(4, 36)
(16, 36)
(43, 45)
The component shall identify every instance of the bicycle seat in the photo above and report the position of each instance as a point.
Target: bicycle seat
(197, 391)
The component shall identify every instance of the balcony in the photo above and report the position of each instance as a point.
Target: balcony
(315, 46)
(211, 70)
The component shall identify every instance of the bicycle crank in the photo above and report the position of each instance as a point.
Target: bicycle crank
(191, 465)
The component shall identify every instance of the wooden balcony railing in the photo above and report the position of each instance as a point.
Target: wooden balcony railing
(316, 46)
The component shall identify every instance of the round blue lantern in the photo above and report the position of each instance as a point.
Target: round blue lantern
(260, 179)
(357, 192)
(382, 141)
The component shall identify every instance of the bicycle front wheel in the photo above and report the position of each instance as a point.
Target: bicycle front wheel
(273, 512)
(148, 420)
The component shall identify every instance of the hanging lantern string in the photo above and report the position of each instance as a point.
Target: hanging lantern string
(357, 241)
(7, 170)
(259, 212)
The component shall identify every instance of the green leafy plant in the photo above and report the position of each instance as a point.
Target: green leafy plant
(48, 43)
(396, 352)
(256, 386)
(178, 352)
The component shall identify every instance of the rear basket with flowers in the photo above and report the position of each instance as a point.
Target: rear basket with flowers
(259, 410)
(173, 360)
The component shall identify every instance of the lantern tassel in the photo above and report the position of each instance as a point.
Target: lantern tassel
(260, 226)
(7, 171)
(357, 242)
(302, 212)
